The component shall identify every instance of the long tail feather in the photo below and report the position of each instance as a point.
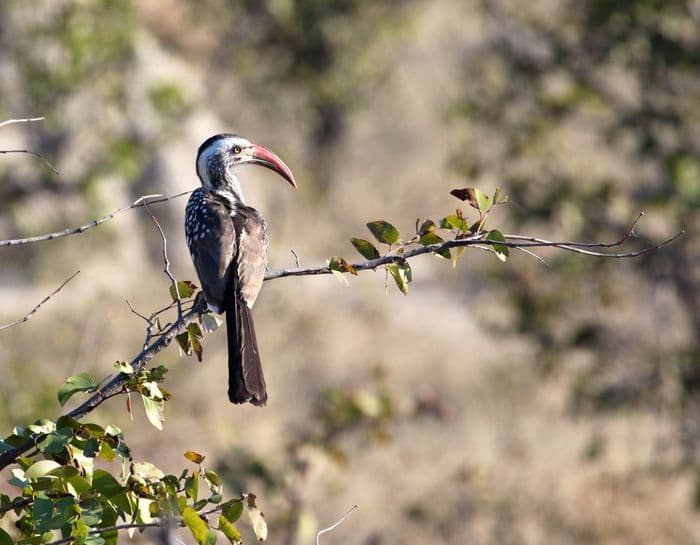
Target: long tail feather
(245, 374)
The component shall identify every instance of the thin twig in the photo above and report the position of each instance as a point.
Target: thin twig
(628, 234)
(166, 261)
(21, 120)
(333, 526)
(296, 258)
(81, 229)
(31, 312)
(537, 257)
(149, 322)
(30, 152)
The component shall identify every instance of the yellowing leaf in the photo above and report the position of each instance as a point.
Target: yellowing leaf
(230, 531)
(185, 288)
(257, 519)
(195, 457)
(195, 524)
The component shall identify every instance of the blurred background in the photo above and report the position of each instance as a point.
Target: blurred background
(495, 404)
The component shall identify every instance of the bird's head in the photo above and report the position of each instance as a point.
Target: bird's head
(219, 155)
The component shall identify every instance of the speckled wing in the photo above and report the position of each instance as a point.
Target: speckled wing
(211, 239)
(252, 253)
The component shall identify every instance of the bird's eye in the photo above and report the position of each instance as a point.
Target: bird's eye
(236, 149)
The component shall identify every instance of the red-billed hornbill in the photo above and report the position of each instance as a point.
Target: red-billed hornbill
(228, 243)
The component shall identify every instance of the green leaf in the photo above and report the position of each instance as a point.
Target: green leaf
(104, 483)
(475, 197)
(185, 288)
(43, 425)
(63, 472)
(339, 264)
(213, 478)
(154, 411)
(501, 250)
(42, 511)
(384, 231)
(430, 238)
(257, 519)
(41, 468)
(114, 431)
(54, 443)
(5, 538)
(483, 201)
(428, 226)
(192, 486)
(453, 221)
(194, 457)
(195, 333)
(232, 509)
(230, 531)
(81, 382)
(459, 250)
(401, 272)
(79, 532)
(183, 339)
(106, 452)
(366, 248)
(211, 538)
(497, 197)
(79, 485)
(91, 511)
(195, 524)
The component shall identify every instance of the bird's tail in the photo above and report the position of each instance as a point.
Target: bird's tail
(245, 375)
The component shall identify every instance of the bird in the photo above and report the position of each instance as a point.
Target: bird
(227, 240)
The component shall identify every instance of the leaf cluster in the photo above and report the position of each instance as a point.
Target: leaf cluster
(452, 226)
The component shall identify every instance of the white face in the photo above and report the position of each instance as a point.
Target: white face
(219, 152)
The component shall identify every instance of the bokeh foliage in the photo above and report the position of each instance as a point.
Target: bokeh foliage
(619, 82)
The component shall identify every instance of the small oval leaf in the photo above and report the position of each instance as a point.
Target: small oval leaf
(81, 382)
(365, 248)
(384, 231)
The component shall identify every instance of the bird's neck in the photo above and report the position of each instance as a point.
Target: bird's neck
(229, 190)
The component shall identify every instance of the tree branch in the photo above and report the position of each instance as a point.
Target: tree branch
(117, 384)
(512, 241)
(39, 155)
(166, 261)
(141, 201)
(333, 526)
(31, 312)
(21, 120)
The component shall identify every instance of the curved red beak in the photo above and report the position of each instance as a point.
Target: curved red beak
(260, 155)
